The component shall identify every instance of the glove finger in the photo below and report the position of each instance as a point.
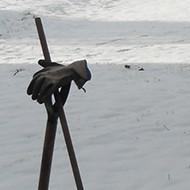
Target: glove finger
(41, 71)
(64, 92)
(31, 86)
(45, 63)
(37, 87)
(45, 91)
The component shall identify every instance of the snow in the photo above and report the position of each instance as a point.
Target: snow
(131, 129)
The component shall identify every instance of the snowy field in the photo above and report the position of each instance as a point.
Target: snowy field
(131, 129)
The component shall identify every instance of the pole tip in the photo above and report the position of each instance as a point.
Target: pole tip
(37, 18)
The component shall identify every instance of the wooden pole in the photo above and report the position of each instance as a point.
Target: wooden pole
(51, 128)
(51, 125)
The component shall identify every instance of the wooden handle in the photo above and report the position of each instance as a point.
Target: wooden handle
(42, 38)
(44, 183)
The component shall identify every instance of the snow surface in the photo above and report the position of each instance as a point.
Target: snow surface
(131, 129)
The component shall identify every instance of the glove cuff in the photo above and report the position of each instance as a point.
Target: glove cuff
(81, 68)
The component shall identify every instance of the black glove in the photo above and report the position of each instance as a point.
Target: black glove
(46, 81)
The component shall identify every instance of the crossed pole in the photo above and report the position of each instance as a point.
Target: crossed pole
(51, 127)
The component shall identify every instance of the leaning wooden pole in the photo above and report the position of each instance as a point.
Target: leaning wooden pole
(51, 126)
(51, 130)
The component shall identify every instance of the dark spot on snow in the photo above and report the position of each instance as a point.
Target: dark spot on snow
(123, 50)
(141, 69)
(127, 66)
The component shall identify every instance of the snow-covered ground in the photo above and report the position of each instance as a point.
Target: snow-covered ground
(131, 129)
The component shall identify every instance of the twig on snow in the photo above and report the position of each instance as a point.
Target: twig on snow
(166, 127)
(17, 71)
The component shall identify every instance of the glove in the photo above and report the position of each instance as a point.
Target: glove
(46, 81)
